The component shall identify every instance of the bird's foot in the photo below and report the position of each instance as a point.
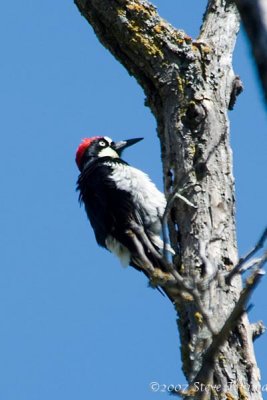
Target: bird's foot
(160, 278)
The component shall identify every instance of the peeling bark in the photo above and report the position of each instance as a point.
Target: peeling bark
(189, 87)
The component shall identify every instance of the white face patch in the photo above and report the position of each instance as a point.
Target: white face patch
(108, 140)
(108, 152)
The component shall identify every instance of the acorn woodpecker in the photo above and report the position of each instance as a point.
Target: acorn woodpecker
(115, 196)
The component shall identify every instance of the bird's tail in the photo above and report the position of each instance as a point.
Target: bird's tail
(152, 248)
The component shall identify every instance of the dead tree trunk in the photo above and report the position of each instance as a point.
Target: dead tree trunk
(189, 86)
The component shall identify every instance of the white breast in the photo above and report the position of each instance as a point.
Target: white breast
(144, 193)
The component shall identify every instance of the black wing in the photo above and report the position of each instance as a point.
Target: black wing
(109, 209)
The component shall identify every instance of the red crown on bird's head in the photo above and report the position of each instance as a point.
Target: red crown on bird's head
(82, 148)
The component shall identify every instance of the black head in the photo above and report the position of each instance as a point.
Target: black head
(101, 146)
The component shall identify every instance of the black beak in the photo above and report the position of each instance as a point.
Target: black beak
(120, 146)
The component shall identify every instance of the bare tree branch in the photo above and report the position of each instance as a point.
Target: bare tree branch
(242, 265)
(215, 21)
(142, 41)
(254, 18)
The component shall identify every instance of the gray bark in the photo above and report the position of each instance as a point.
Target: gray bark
(254, 18)
(188, 85)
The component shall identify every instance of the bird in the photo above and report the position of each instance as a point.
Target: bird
(123, 205)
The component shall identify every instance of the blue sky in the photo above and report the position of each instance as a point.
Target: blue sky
(74, 324)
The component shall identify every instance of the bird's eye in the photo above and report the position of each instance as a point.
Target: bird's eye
(102, 143)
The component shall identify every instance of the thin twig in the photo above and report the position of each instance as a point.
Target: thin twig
(238, 268)
(249, 265)
(263, 260)
(177, 193)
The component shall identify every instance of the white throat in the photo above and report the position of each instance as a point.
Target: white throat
(108, 152)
